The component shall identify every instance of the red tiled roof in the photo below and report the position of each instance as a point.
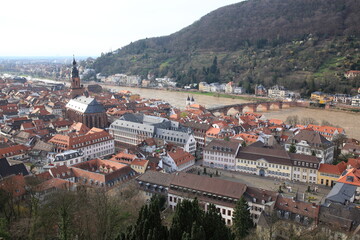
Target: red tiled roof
(56, 183)
(354, 162)
(180, 156)
(13, 150)
(351, 177)
(68, 142)
(14, 184)
(333, 169)
(298, 207)
(325, 129)
(140, 162)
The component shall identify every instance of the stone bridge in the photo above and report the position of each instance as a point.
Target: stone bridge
(254, 107)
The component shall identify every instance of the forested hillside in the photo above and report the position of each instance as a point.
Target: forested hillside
(306, 44)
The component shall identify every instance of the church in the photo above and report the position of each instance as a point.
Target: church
(81, 107)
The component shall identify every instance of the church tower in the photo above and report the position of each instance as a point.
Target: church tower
(76, 88)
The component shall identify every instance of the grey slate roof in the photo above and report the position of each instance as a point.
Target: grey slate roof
(85, 105)
(341, 193)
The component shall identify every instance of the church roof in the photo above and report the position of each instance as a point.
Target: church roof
(85, 105)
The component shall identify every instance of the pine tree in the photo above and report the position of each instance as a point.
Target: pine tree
(242, 222)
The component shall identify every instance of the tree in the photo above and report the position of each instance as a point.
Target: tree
(242, 222)
(308, 120)
(292, 148)
(148, 225)
(292, 120)
(186, 215)
(214, 225)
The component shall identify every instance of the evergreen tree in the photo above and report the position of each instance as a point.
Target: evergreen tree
(148, 225)
(214, 225)
(187, 213)
(242, 222)
(292, 148)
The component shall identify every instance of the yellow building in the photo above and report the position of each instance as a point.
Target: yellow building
(321, 97)
(139, 165)
(328, 174)
(277, 163)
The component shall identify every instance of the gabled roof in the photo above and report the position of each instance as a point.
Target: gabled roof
(350, 176)
(85, 105)
(310, 137)
(180, 156)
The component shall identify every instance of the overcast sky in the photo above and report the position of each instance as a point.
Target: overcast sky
(87, 28)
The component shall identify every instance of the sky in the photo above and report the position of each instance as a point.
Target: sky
(90, 27)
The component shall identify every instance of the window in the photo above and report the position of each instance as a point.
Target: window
(229, 212)
(223, 211)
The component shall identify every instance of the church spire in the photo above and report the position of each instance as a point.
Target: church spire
(75, 71)
(76, 87)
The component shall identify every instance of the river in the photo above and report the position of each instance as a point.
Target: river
(349, 121)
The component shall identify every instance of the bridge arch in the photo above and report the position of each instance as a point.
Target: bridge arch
(232, 112)
(274, 106)
(285, 105)
(247, 109)
(261, 108)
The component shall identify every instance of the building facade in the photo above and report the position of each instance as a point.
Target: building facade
(93, 144)
(88, 111)
(133, 129)
(221, 154)
(277, 163)
(223, 194)
(312, 143)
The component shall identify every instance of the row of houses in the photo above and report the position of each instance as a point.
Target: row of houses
(274, 214)
(336, 98)
(271, 161)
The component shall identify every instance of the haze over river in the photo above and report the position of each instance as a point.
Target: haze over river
(349, 121)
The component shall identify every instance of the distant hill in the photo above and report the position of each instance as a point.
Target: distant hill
(306, 44)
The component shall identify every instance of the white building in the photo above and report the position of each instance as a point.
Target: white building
(312, 143)
(221, 154)
(223, 194)
(67, 158)
(355, 101)
(95, 143)
(278, 92)
(177, 159)
(133, 129)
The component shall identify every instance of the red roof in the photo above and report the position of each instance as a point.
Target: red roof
(13, 150)
(333, 169)
(354, 162)
(180, 156)
(351, 177)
